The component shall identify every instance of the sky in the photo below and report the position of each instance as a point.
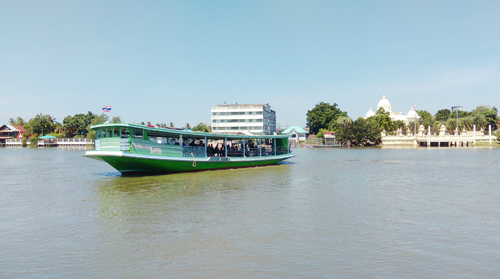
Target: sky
(171, 61)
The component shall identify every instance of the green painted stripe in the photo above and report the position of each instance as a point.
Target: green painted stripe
(126, 164)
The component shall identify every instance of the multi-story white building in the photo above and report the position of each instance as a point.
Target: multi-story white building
(257, 119)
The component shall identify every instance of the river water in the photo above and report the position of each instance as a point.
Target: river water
(343, 213)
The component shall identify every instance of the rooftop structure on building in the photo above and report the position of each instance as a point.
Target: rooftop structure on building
(257, 119)
(412, 115)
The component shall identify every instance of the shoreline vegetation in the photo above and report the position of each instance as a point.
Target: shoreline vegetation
(321, 119)
(368, 132)
(76, 126)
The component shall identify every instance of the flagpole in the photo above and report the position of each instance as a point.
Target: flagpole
(108, 110)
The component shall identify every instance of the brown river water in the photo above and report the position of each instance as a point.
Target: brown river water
(326, 213)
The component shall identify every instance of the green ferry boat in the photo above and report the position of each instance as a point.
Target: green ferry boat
(132, 148)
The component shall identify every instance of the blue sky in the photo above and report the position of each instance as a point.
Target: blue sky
(171, 61)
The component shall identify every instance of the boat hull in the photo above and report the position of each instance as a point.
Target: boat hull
(130, 163)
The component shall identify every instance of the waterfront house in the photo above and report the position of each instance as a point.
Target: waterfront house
(298, 134)
(11, 131)
(330, 138)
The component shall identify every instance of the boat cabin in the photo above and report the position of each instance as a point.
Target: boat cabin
(141, 139)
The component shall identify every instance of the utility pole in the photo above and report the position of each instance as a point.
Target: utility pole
(456, 110)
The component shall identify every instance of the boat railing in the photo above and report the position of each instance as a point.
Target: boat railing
(124, 144)
(282, 150)
(252, 152)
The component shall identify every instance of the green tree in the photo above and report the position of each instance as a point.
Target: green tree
(116, 119)
(201, 128)
(426, 118)
(321, 134)
(34, 141)
(98, 119)
(41, 124)
(468, 122)
(25, 139)
(442, 114)
(399, 124)
(17, 121)
(451, 125)
(412, 126)
(323, 116)
(77, 124)
(383, 120)
(490, 117)
(358, 133)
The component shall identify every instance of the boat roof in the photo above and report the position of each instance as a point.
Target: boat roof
(191, 134)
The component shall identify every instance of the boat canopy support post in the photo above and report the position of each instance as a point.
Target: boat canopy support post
(130, 135)
(274, 146)
(260, 147)
(244, 143)
(205, 146)
(180, 140)
(225, 147)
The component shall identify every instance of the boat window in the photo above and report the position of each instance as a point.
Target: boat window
(137, 133)
(116, 132)
(125, 132)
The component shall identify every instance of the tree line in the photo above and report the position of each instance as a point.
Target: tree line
(78, 125)
(367, 132)
(201, 127)
(72, 126)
